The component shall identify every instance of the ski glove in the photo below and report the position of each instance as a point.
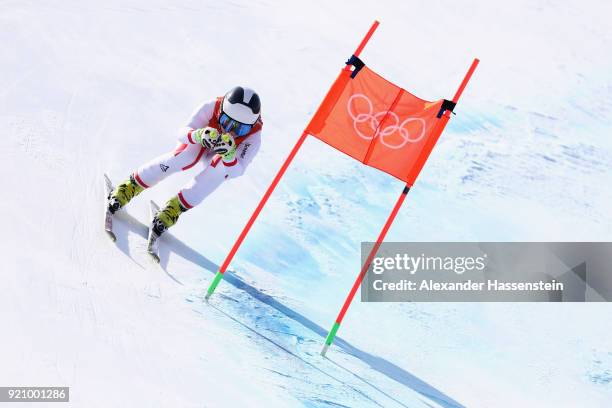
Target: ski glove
(226, 148)
(207, 137)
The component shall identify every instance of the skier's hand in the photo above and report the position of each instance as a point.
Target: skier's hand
(207, 137)
(226, 148)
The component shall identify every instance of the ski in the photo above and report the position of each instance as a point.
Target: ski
(152, 244)
(108, 216)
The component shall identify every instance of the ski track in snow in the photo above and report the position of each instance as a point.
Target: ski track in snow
(87, 89)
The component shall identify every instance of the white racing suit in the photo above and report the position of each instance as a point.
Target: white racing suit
(188, 153)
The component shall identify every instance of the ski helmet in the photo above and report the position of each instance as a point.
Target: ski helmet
(242, 105)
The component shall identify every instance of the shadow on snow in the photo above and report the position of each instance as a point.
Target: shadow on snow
(172, 244)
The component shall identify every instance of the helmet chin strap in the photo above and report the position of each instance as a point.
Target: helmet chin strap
(220, 111)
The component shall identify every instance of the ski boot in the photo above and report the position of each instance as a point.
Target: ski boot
(123, 193)
(161, 220)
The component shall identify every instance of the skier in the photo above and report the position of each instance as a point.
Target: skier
(224, 133)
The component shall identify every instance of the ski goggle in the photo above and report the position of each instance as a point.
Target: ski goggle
(230, 125)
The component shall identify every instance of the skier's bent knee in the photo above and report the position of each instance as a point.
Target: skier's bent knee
(226, 130)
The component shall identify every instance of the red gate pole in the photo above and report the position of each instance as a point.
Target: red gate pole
(268, 193)
(332, 333)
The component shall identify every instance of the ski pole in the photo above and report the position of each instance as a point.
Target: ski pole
(412, 176)
(219, 275)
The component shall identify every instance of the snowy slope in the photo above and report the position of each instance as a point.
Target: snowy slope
(88, 88)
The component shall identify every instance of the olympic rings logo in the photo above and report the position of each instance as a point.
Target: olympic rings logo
(374, 120)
